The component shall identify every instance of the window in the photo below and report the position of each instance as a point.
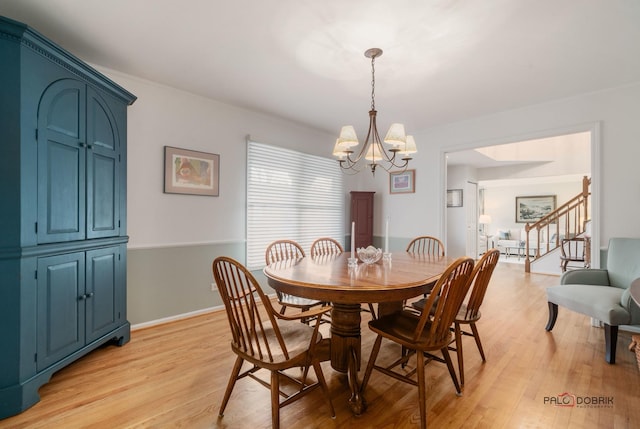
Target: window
(290, 195)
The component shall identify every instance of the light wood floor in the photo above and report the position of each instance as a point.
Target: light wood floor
(174, 376)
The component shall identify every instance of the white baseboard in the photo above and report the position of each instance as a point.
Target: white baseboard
(175, 318)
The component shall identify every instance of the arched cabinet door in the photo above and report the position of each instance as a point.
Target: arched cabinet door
(78, 165)
(103, 169)
(61, 162)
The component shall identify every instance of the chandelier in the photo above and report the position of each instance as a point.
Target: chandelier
(374, 153)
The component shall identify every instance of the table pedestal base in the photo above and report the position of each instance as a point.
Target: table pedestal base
(345, 349)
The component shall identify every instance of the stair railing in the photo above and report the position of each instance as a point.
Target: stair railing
(569, 221)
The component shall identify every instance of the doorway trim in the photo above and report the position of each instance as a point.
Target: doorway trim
(595, 130)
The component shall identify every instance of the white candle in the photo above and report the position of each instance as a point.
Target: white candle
(353, 239)
(386, 236)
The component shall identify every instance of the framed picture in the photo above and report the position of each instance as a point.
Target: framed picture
(532, 209)
(191, 172)
(402, 182)
(454, 197)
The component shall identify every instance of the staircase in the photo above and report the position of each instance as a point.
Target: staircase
(567, 221)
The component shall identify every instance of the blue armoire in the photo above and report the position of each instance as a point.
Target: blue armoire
(63, 235)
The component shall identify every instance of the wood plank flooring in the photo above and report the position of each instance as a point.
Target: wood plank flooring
(174, 375)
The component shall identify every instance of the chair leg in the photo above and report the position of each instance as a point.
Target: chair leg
(275, 400)
(476, 335)
(611, 340)
(452, 371)
(422, 391)
(372, 361)
(459, 352)
(553, 315)
(323, 383)
(232, 382)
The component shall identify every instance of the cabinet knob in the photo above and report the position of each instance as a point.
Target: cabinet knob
(82, 297)
(82, 144)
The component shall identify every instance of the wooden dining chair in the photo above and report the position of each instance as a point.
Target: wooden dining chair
(426, 245)
(424, 333)
(326, 246)
(469, 312)
(281, 250)
(268, 340)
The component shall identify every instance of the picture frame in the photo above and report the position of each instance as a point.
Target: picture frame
(454, 197)
(191, 172)
(530, 209)
(402, 182)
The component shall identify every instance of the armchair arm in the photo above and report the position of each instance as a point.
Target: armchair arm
(586, 276)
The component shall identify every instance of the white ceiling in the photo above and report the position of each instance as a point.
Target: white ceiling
(443, 61)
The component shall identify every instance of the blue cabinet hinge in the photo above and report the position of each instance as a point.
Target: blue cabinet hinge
(36, 275)
(36, 225)
(36, 134)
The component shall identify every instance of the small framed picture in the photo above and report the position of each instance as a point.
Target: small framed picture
(191, 172)
(454, 198)
(402, 182)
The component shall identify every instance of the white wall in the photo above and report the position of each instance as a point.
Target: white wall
(500, 200)
(618, 186)
(164, 116)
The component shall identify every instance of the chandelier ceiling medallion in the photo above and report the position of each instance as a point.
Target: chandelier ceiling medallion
(401, 146)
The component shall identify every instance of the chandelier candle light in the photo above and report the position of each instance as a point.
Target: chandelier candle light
(402, 145)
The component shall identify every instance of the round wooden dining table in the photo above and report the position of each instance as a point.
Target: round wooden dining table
(328, 278)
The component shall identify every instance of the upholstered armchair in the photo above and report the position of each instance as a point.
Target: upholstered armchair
(602, 294)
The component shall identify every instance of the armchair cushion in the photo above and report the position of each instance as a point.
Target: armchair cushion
(600, 302)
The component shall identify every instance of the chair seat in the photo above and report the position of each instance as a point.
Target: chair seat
(296, 335)
(467, 315)
(401, 327)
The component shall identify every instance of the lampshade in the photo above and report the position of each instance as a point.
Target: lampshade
(347, 137)
(338, 150)
(373, 154)
(396, 135)
(484, 219)
(409, 146)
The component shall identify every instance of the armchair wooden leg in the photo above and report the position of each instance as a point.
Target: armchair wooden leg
(611, 340)
(553, 315)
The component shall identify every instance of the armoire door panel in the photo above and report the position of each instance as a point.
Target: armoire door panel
(102, 279)
(103, 169)
(61, 285)
(61, 162)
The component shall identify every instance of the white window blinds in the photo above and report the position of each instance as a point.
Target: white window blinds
(290, 195)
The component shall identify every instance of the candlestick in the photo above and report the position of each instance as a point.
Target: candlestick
(353, 239)
(386, 236)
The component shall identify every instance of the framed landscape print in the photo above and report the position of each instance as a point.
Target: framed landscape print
(191, 172)
(532, 209)
(402, 182)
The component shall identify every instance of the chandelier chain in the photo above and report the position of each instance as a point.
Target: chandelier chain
(373, 82)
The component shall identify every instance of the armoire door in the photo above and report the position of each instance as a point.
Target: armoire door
(362, 215)
(61, 162)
